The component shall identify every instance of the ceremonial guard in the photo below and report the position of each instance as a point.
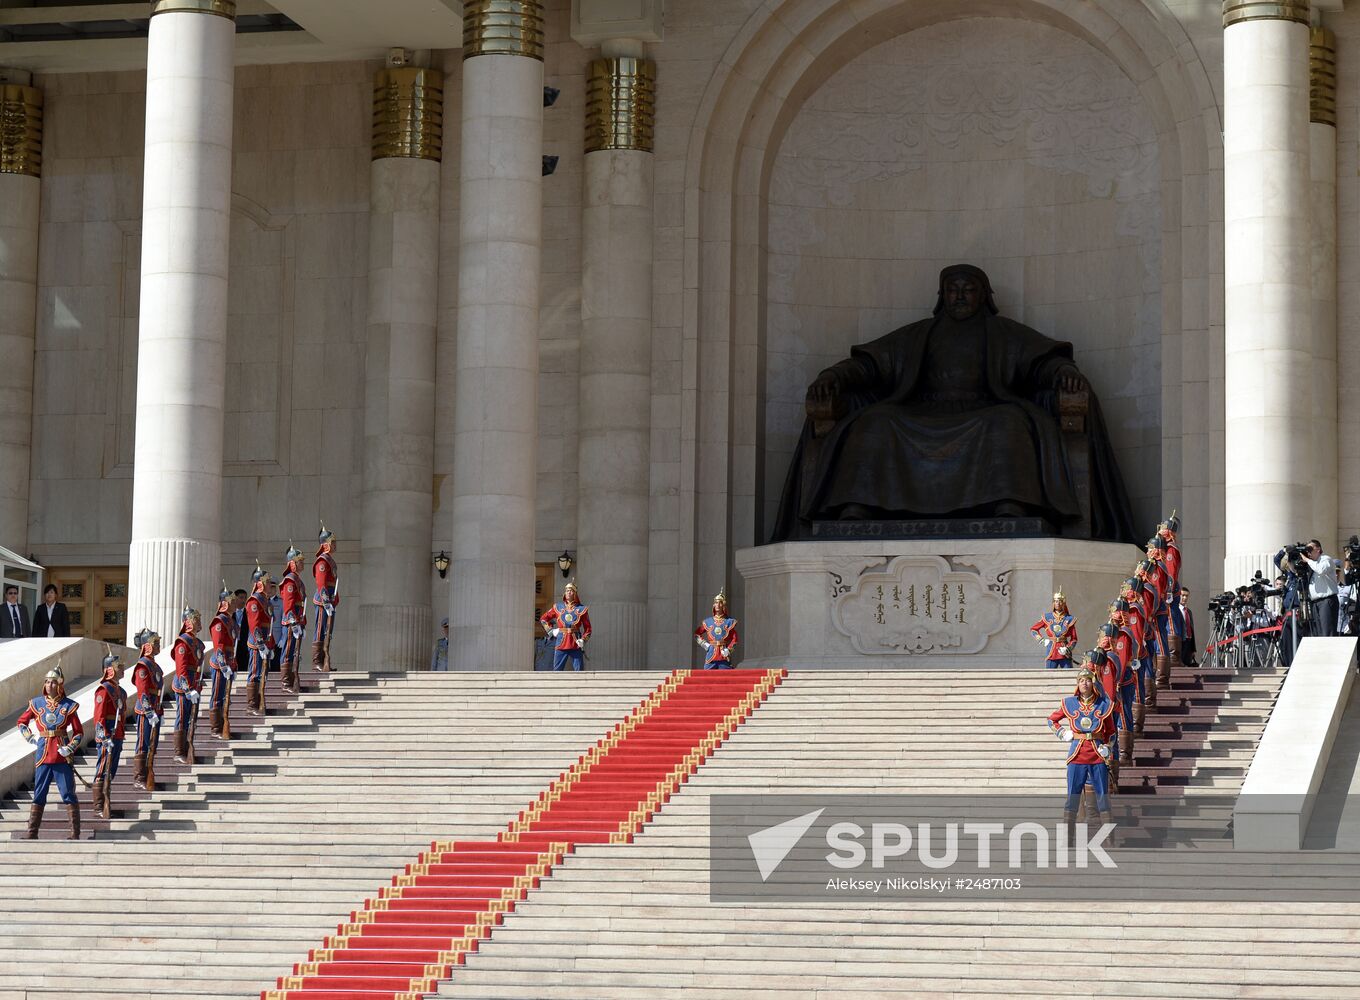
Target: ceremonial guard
(717, 634)
(1147, 606)
(568, 621)
(1131, 594)
(147, 681)
(1167, 532)
(1057, 630)
(188, 680)
(51, 722)
(1102, 662)
(293, 595)
(1084, 720)
(1124, 648)
(1160, 581)
(222, 659)
(260, 640)
(110, 713)
(327, 598)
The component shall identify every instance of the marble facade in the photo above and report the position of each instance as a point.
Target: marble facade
(790, 219)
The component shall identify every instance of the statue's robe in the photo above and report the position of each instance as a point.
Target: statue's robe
(948, 417)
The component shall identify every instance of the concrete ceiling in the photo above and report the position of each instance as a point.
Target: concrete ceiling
(332, 30)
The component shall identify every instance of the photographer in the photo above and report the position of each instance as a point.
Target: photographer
(1322, 589)
(1295, 570)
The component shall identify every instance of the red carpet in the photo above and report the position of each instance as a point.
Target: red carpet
(401, 943)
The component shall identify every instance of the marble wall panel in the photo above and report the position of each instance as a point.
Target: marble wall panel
(1006, 143)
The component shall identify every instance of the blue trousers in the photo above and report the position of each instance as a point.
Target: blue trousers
(109, 752)
(1064, 664)
(1147, 678)
(1177, 618)
(148, 736)
(259, 666)
(184, 711)
(45, 774)
(562, 658)
(324, 624)
(220, 685)
(1126, 700)
(718, 665)
(1077, 777)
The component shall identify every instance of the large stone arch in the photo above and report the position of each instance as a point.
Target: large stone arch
(781, 55)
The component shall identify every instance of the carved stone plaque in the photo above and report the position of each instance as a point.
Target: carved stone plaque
(924, 604)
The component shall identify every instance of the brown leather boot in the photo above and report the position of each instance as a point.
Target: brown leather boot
(1126, 749)
(215, 722)
(1108, 817)
(251, 707)
(1175, 645)
(1163, 664)
(1150, 687)
(1139, 715)
(108, 797)
(139, 770)
(34, 821)
(1087, 814)
(1113, 767)
(73, 813)
(318, 656)
(259, 693)
(181, 746)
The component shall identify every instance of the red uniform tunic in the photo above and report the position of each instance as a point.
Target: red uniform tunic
(325, 574)
(222, 633)
(259, 622)
(188, 653)
(55, 724)
(1084, 751)
(110, 710)
(294, 600)
(1060, 630)
(574, 622)
(147, 679)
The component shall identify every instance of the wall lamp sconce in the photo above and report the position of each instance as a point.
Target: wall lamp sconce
(564, 563)
(441, 563)
(549, 165)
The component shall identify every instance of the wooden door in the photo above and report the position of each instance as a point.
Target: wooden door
(543, 591)
(96, 598)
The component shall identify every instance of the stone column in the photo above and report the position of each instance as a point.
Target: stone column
(399, 369)
(181, 348)
(491, 622)
(1322, 164)
(616, 354)
(1268, 368)
(20, 169)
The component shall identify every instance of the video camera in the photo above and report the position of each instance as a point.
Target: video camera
(1353, 561)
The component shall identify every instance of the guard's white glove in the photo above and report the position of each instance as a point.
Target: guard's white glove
(65, 752)
(1103, 750)
(1064, 651)
(28, 735)
(193, 697)
(155, 720)
(1065, 733)
(297, 631)
(555, 633)
(267, 653)
(230, 674)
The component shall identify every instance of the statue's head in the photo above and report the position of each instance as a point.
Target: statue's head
(964, 291)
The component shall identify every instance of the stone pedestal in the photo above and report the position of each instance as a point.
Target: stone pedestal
(952, 603)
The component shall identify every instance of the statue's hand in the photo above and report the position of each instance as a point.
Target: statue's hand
(823, 397)
(1070, 380)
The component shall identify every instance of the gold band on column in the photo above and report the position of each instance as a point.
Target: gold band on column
(1322, 77)
(408, 113)
(1235, 11)
(620, 104)
(503, 27)
(222, 8)
(21, 126)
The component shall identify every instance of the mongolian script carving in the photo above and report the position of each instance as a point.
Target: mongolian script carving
(925, 604)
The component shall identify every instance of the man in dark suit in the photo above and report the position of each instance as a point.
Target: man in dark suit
(51, 621)
(13, 616)
(242, 649)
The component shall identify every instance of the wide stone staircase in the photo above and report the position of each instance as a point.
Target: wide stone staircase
(639, 922)
(238, 880)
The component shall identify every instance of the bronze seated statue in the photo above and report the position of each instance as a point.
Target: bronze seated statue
(963, 415)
